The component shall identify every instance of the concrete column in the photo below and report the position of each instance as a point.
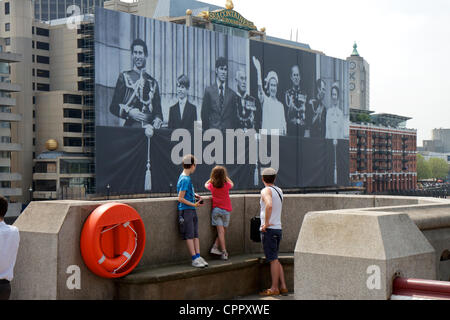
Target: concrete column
(356, 255)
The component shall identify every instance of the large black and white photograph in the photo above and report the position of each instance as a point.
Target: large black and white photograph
(155, 78)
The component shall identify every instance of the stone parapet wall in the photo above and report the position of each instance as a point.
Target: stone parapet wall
(50, 237)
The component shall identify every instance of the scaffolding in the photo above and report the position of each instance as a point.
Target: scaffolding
(86, 85)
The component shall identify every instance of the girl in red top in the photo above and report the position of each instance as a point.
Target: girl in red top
(219, 184)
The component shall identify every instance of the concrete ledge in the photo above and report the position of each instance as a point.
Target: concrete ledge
(240, 275)
(50, 236)
(350, 254)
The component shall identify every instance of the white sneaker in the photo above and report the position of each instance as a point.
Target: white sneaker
(215, 250)
(203, 261)
(198, 263)
(224, 255)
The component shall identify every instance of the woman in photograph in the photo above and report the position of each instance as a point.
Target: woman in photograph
(335, 121)
(335, 124)
(272, 109)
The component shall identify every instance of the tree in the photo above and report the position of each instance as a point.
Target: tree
(423, 168)
(439, 168)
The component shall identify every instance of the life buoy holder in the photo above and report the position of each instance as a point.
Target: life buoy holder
(112, 240)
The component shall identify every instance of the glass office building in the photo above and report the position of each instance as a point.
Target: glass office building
(46, 10)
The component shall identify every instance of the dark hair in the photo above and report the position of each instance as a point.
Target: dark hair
(221, 62)
(218, 176)
(318, 84)
(140, 42)
(269, 175)
(3, 206)
(183, 80)
(336, 88)
(188, 161)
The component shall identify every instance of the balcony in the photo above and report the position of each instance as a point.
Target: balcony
(7, 57)
(7, 101)
(13, 117)
(10, 87)
(10, 177)
(10, 147)
(11, 192)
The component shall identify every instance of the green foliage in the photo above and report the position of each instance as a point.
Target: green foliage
(362, 117)
(423, 168)
(435, 168)
(439, 168)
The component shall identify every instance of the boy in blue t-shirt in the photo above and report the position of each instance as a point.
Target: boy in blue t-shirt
(188, 201)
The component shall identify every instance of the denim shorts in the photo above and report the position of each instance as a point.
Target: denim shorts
(220, 217)
(190, 224)
(271, 243)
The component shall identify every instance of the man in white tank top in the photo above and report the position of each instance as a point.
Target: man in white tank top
(271, 232)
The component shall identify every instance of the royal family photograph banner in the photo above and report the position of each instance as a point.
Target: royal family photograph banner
(163, 90)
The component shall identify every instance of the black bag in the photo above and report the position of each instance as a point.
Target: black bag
(180, 220)
(255, 224)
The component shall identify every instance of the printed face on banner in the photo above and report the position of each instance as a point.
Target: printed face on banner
(165, 90)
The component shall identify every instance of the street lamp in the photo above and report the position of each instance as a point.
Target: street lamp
(107, 191)
(30, 190)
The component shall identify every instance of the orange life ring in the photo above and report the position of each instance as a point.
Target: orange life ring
(112, 240)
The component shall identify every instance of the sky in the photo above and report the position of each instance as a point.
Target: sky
(405, 42)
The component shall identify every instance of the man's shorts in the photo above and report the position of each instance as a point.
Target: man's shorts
(220, 217)
(190, 225)
(271, 243)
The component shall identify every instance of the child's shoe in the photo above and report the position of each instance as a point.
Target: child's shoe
(215, 250)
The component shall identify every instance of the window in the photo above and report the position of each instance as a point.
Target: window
(80, 166)
(90, 114)
(72, 99)
(42, 32)
(43, 87)
(33, 58)
(45, 167)
(89, 128)
(7, 41)
(42, 59)
(5, 139)
(72, 142)
(32, 44)
(43, 73)
(72, 113)
(5, 154)
(89, 142)
(6, 8)
(33, 71)
(45, 185)
(7, 27)
(42, 45)
(72, 127)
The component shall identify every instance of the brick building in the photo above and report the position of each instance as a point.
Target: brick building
(383, 154)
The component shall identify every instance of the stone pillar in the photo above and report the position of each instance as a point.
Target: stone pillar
(356, 255)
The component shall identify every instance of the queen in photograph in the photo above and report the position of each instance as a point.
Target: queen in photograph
(335, 120)
(273, 117)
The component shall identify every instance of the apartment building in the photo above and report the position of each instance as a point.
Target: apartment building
(10, 180)
(383, 154)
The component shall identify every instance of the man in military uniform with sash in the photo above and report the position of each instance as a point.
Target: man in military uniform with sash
(247, 107)
(136, 97)
(297, 114)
